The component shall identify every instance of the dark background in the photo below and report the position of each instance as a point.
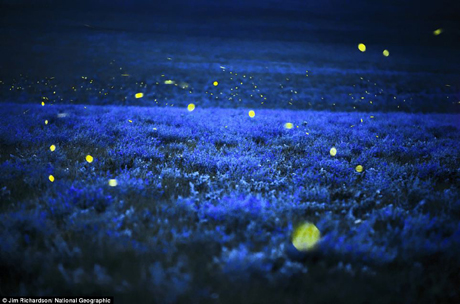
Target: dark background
(368, 13)
(70, 39)
(442, 8)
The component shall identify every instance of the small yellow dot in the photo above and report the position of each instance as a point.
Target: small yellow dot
(252, 113)
(362, 47)
(359, 168)
(43, 103)
(89, 158)
(333, 151)
(191, 107)
(139, 95)
(130, 120)
(215, 83)
(113, 182)
(51, 178)
(438, 32)
(46, 122)
(52, 148)
(386, 53)
(288, 125)
(305, 236)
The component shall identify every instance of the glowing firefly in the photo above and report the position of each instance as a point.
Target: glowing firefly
(333, 151)
(305, 236)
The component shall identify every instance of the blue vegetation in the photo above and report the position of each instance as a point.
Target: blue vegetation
(206, 201)
(175, 206)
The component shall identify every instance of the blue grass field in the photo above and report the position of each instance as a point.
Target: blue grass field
(206, 201)
(225, 157)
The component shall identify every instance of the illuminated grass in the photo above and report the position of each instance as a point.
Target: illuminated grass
(218, 189)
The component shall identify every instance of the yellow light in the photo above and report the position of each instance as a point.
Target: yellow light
(191, 107)
(113, 182)
(46, 122)
(169, 82)
(51, 178)
(215, 83)
(139, 95)
(359, 168)
(89, 158)
(386, 53)
(288, 125)
(438, 32)
(52, 148)
(43, 103)
(362, 47)
(252, 113)
(333, 151)
(130, 120)
(305, 236)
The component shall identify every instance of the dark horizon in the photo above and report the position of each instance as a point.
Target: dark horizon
(445, 9)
